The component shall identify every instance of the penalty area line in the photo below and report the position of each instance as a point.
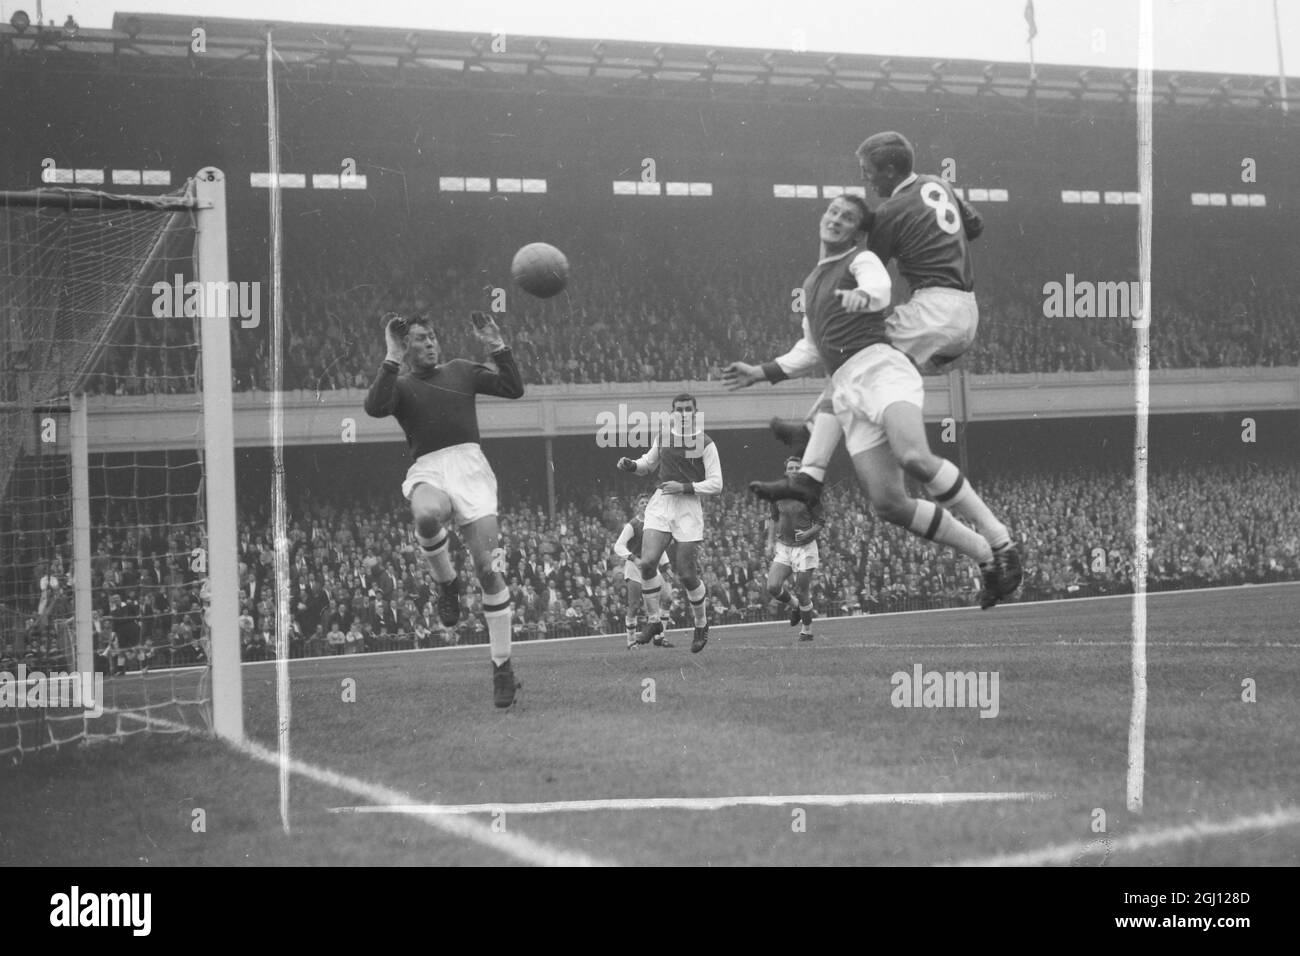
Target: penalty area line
(520, 848)
(711, 803)
(1142, 840)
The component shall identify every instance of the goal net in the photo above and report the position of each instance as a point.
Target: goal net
(110, 412)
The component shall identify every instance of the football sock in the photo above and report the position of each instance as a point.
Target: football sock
(950, 489)
(650, 590)
(805, 618)
(826, 435)
(438, 554)
(696, 597)
(496, 608)
(935, 524)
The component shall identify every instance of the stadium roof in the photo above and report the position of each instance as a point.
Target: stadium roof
(160, 45)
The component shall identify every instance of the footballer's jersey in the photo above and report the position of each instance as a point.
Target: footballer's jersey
(924, 226)
(634, 542)
(791, 516)
(436, 409)
(678, 463)
(838, 332)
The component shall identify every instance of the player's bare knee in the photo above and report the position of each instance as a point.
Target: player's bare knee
(892, 509)
(774, 588)
(648, 569)
(917, 462)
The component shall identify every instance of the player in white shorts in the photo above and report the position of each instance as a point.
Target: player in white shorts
(925, 227)
(792, 545)
(628, 547)
(450, 480)
(688, 466)
(877, 396)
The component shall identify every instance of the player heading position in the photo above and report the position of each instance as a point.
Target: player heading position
(451, 480)
(688, 466)
(792, 545)
(876, 394)
(628, 547)
(927, 229)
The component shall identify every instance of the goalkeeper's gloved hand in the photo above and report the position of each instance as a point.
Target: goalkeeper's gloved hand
(395, 330)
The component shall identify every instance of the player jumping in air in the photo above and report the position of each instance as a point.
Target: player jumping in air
(792, 546)
(927, 228)
(688, 466)
(451, 479)
(877, 395)
(628, 547)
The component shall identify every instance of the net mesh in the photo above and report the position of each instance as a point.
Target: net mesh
(86, 310)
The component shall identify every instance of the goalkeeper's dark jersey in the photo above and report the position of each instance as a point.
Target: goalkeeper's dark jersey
(436, 408)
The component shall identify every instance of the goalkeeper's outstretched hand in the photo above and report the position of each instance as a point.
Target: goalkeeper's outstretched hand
(486, 331)
(395, 330)
(626, 464)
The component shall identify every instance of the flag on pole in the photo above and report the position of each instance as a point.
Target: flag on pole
(1033, 32)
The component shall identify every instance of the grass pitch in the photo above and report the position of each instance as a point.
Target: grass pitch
(755, 714)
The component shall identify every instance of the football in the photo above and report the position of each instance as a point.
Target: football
(540, 270)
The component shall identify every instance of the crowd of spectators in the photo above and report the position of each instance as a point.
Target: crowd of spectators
(359, 583)
(666, 305)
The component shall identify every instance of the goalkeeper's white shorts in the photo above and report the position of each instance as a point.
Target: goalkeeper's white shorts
(463, 474)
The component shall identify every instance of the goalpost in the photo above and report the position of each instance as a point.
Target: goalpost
(118, 545)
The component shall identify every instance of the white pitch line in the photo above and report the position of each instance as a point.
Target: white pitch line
(879, 618)
(831, 642)
(1068, 852)
(710, 803)
(521, 848)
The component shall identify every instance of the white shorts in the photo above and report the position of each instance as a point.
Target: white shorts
(867, 384)
(463, 474)
(935, 323)
(682, 516)
(797, 557)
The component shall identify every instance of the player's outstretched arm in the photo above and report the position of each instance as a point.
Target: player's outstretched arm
(381, 400)
(506, 381)
(645, 464)
(799, 361)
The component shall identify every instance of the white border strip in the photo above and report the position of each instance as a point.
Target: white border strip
(711, 803)
(1069, 852)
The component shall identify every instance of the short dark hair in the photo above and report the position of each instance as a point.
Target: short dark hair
(685, 397)
(888, 149)
(423, 320)
(862, 207)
